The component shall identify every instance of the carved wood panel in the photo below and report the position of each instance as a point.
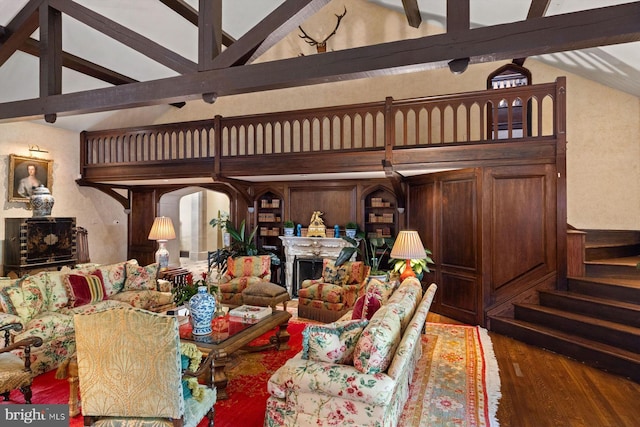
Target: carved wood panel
(143, 212)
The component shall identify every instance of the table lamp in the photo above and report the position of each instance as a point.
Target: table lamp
(408, 246)
(162, 230)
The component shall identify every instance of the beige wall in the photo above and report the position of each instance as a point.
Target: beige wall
(101, 215)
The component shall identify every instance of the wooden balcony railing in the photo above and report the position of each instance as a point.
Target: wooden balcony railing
(524, 112)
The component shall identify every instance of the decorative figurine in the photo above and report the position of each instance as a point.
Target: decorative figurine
(299, 230)
(316, 227)
(336, 231)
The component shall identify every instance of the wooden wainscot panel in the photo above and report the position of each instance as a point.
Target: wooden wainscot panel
(521, 205)
(459, 223)
(143, 212)
(338, 203)
(459, 297)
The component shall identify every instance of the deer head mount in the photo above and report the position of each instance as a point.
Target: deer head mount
(321, 46)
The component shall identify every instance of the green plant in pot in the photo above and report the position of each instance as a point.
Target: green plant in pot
(183, 293)
(419, 266)
(288, 227)
(351, 229)
(242, 244)
(374, 251)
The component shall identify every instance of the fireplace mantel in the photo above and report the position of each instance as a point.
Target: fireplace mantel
(312, 247)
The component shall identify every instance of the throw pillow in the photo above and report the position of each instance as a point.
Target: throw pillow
(332, 343)
(85, 288)
(25, 298)
(377, 344)
(140, 278)
(335, 275)
(366, 306)
(382, 289)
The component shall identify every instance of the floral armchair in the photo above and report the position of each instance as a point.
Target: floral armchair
(242, 272)
(133, 371)
(328, 298)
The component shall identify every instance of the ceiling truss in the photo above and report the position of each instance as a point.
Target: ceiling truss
(231, 71)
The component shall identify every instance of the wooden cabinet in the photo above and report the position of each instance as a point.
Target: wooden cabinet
(36, 244)
(380, 214)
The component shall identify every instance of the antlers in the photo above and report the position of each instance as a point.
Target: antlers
(322, 45)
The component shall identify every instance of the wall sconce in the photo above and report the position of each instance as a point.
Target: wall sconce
(400, 211)
(251, 209)
(37, 149)
(458, 66)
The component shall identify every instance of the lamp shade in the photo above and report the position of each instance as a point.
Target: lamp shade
(162, 229)
(408, 246)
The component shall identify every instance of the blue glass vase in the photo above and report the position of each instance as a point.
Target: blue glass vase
(202, 306)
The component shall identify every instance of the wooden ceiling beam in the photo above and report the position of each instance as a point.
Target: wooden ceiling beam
(19, 29)
(185, 10)
(129, 38)
(72, 62)
(50, 54)
(537, 9)
(209, 33)
(578, 30)
(277, 25)
(458, 16)
(412, 11)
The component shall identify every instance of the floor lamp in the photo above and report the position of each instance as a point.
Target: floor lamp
(162, 230)
(408, 246)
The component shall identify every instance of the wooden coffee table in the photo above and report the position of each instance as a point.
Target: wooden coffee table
(229, 337)
(219, 345)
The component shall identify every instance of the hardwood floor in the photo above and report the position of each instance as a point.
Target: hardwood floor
(543, 389)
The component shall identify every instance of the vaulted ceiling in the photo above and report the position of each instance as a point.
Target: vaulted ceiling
(70, 58)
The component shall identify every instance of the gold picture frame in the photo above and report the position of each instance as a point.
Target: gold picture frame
(20, 179)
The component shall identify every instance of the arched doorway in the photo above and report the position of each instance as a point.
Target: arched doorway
(191, 209)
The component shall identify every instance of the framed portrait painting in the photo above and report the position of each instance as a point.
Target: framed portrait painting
(26, 173)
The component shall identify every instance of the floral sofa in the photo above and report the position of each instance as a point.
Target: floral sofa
(328, 298)
(45, 303)
(354, 371)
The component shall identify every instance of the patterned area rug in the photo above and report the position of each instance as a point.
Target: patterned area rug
(456, 382)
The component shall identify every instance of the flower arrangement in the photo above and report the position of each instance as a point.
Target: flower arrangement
(183, 293)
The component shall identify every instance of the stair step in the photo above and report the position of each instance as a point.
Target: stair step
(611, 250)
(627, 290)
(604, 331)
(593, 353)
(601, 308)
(625, 267)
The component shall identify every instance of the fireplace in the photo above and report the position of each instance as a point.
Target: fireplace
(305, 268)
(307, 248)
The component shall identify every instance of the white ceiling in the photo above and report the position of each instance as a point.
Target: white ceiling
(616, 66)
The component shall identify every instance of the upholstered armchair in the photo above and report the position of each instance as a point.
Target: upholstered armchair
(241, 272)
(130, 371)
(328, 298)
(15, 371)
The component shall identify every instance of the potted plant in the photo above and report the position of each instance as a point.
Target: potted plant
(288, 228)
(419, 266)
(351, 229)
(375, 249)
(221, 221)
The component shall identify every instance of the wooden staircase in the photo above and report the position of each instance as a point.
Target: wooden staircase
(597, 319)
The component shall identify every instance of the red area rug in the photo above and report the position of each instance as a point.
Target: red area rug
(456, 381)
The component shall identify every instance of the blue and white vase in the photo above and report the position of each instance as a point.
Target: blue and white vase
(202, 306)
(41, 201)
